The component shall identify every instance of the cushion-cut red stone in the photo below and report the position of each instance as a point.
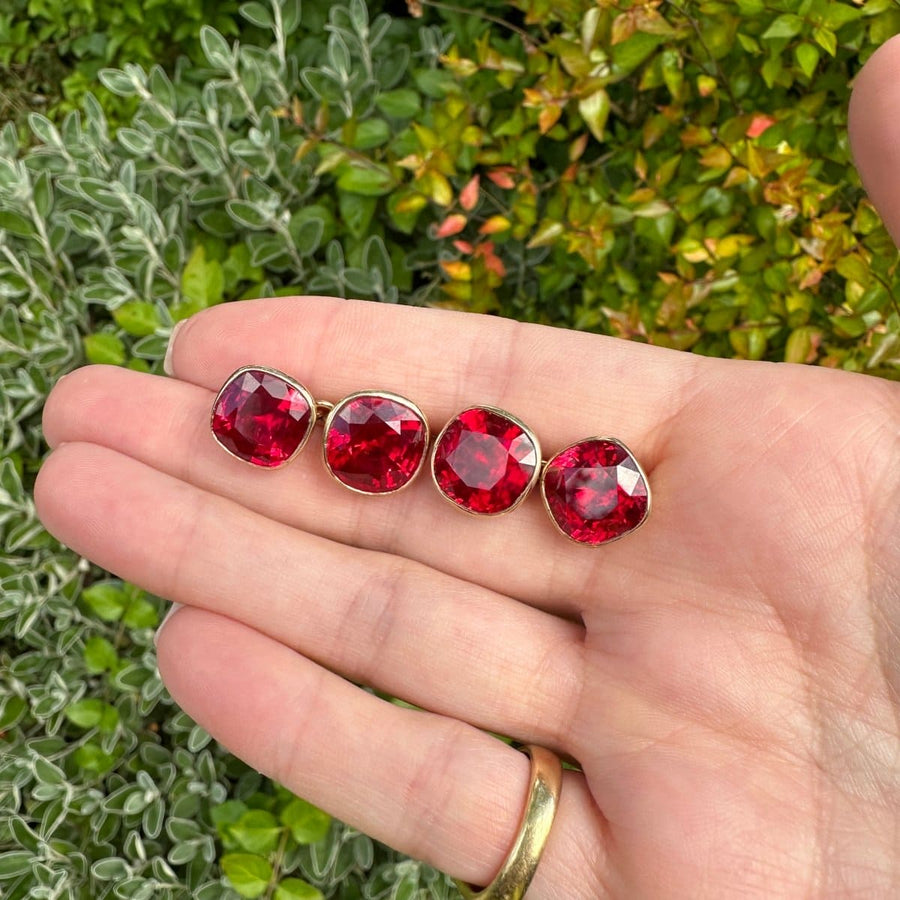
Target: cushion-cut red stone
(485, 462)
(261, 417)
(595, 491)
(375, 444)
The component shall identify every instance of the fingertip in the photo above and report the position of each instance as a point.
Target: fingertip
(167, 618)
(50, 486)
(74, 392)
(874, 128)
(169, 360)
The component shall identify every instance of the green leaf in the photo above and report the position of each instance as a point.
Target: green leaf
(257, 14)
(92, 758)
(227, 813)
(315, 213)
(106, 600)
(215, 48)
(152, 820)
(16, 223)
(205, 154)
(306, 235)
(249, 874)
(807, 58)
(628, 55)
(787, 25)
(356, 212)
(12, 711)
(771, 69)
(203, 281)
(118, 82)
(43, 194)
(247, 214)
(826, 39)
(237, 267)
(295, 889)
(140, 613)
(104, 348)
(369, 181)
(137, 317)
(435, 83)
(839, 14)
(370, 134)
(402, 103)
(257, 831)
(93, 713)
(113, 868)
(99, 655)
(15, 862)
(594, 110)
(308, 823)
(47, 772)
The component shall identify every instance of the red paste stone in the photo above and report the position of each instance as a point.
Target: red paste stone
(595, 491)
(374, 444)
(261, 418)
(485, 462)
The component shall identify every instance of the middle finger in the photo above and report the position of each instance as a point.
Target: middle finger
(434, 640)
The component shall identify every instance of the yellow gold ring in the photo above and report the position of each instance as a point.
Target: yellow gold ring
(516, 873)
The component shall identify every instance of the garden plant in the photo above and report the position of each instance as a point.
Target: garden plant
(676, 173)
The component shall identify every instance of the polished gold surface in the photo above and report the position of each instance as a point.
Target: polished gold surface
(515, 875)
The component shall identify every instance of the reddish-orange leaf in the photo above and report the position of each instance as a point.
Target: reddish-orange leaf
(494, 264)
(811, 279)
(463, 246)
(451, 225)
(758, 124)
(468, 196)
(502, 177)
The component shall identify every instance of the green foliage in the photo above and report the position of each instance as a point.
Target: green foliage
(77, 38)
(677, 174)
(673, 173)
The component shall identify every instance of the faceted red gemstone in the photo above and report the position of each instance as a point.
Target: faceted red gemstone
(261, 418)
(375, 444)
(484, 461)
(595, 491)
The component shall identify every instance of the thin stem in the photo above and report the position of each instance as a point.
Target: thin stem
(279, 36)
(451, 7)
(276, 864)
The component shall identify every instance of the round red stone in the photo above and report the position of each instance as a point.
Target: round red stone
(261, 418)
(375, 444)
(484, 461)
(595, 491)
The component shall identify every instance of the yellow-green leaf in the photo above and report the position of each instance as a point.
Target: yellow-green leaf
(594, 110)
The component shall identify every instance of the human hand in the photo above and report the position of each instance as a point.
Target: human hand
(728, 677)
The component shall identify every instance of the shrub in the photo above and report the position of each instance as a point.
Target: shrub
(672, 174)
(51, 50)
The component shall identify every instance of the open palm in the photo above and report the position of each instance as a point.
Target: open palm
(727, 678)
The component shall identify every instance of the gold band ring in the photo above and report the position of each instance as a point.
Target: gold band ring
(516, 873)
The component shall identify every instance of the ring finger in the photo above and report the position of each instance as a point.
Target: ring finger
(430, 786)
